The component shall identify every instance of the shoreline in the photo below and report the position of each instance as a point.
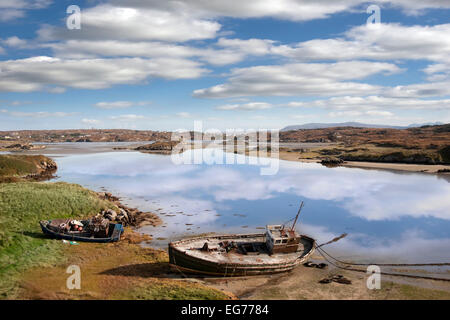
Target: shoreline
(409, 167)
(293, 285)
(135, 217)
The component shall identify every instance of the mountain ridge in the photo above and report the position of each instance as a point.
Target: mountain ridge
(315, 125)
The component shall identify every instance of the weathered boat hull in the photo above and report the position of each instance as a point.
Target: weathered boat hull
(115, 233)
(180, 260)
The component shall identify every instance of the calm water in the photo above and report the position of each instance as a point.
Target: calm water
(389, 216)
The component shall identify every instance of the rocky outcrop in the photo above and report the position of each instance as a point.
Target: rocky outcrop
(332, 162)
(161, 147)
(125, 215)
(24, 146)
(394, 157)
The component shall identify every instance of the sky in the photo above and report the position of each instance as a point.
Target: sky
(260, 64)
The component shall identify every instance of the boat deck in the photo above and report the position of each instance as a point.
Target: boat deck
(258, 256)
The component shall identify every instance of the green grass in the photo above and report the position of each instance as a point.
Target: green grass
(174, 291)
(22, 206)
(18, 165)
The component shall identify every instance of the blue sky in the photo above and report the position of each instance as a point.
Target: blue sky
(258, 64)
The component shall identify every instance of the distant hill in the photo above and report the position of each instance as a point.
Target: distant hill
(353, 124)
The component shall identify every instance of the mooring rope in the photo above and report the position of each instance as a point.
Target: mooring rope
(385, 264)
(323, 254)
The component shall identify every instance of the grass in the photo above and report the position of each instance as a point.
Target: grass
(34, 267)
(174, 291)
(16, 167)
(122, 270)
(19, 165)
(22, 206)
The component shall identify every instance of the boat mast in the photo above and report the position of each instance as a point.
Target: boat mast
(296, 217)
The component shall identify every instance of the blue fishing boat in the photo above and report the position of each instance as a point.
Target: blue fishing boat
(58, 229)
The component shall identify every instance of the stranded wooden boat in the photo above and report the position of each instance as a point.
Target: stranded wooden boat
(54, 229)
(279, 249)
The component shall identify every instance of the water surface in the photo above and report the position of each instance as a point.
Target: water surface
(389, 216)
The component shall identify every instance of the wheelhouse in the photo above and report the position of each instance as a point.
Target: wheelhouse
(281, 240)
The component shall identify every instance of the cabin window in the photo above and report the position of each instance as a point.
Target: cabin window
(284, 241)
(277, 241)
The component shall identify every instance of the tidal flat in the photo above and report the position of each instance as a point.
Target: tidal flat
(389, 217)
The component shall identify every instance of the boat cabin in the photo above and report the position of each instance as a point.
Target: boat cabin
(281, 240)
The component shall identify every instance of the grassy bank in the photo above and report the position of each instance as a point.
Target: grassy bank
(34, 267)
(22, 206)
(122, 270)
(20, 167)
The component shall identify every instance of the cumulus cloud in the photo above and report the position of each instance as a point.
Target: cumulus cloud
(294, 10)
(385, 42)
(300, 79)
(14, 9)
(79, 49)
(38, 73)
(106, 21)
(420, 90)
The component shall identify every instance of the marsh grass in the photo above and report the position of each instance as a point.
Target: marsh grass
(19, 165)
(22, 206)
(173, 291)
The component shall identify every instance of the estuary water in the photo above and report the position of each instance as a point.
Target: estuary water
(388, 216)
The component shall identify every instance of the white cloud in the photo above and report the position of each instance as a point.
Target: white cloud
(246, 106)
(77, 49)
(250, 46)
(385, 42)
(184, 114)
(106, 22)
(120, 104)
(421, 90)
(15, 42)
(355, 113)
(14, 9)
(37, 73)
(294, 10)
(91, 121)
(10, 14)
(40, 114)
(373, 102)
(300, 79)
(127, 117)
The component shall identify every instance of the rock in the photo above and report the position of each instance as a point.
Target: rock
(332, 162)
(110, 214)
(123, 214)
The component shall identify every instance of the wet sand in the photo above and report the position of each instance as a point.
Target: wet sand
(302, 283)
